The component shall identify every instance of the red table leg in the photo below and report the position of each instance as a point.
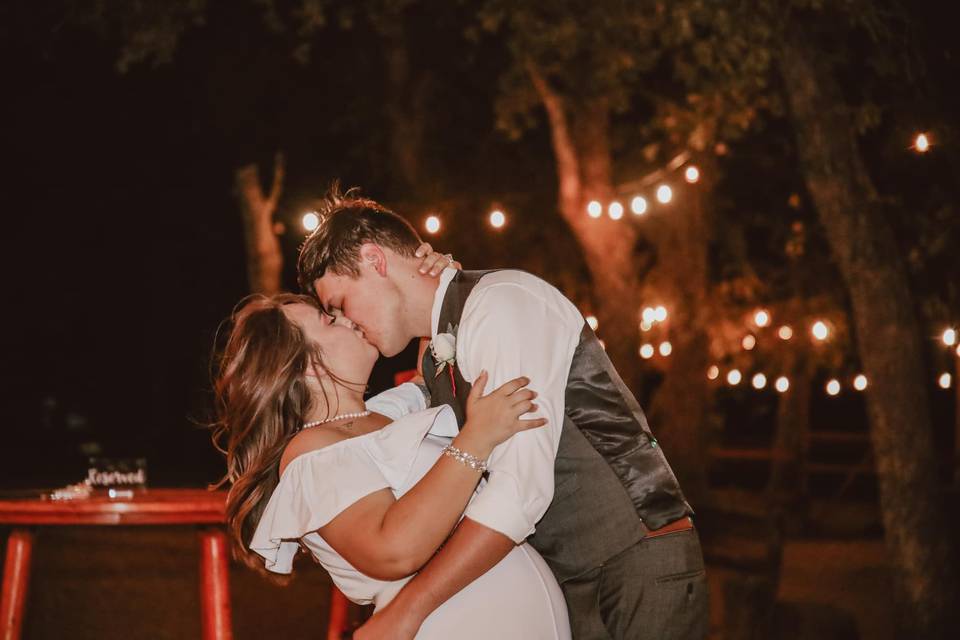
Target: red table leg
(339, 608)
(215, 585)
(16, 582)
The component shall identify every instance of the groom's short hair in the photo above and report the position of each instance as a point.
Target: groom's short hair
(347, 222)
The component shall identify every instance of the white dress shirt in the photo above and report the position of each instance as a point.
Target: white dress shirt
(515, 324)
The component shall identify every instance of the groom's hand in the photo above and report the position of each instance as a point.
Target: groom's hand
(388, 624)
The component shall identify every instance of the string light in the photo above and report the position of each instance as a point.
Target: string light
(594, 209)
(860, 382)
(432, 224)
(615, 210)
(497, 219)
(664, 194)
(692, 174)
(921, 143)
(638, 205)
(949, 337)
(311, 220)
(593, 322)
(820, 330)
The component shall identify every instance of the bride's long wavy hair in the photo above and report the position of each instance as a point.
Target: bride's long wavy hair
(261, 401)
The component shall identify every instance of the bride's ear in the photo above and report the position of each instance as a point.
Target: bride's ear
(372, 255)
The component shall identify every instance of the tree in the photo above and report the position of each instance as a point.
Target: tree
(790, 38)
(264, 259)
(883, 314)
(672, 82)
(151, 33)
(581, 63)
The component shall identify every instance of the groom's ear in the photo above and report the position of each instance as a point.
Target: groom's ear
(372, 256)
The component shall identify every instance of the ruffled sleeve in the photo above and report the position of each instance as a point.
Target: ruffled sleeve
(316, 486)
(397, 402)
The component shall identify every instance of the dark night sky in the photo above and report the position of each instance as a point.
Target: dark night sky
(126, 248)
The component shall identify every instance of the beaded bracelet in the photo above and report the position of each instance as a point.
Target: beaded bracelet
(463, 457)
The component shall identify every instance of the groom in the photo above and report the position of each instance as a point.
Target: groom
(591, 491)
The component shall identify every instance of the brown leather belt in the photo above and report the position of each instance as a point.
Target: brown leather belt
(682, 524)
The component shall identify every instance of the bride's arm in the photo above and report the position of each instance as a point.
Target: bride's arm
(389, 538)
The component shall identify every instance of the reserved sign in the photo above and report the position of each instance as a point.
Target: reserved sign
(112, 473)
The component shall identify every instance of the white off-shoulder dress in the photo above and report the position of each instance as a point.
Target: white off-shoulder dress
(518, 598)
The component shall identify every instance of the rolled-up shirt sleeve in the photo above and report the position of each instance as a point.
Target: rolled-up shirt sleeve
(520, 329)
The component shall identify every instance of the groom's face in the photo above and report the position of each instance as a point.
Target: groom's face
(371, 301)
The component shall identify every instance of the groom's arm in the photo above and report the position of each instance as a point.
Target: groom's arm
(508, 329)
(520, 325)
(470, 552)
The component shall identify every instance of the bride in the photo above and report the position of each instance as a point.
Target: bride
(372, 489)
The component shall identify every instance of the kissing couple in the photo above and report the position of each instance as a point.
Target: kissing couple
(512, 490)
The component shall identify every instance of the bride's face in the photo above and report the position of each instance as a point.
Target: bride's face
(345, 351)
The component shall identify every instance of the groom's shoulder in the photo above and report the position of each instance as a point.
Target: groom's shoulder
(518, 278)
(513, 285)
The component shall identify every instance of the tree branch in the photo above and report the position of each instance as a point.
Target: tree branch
(279, 171)
(568, 167)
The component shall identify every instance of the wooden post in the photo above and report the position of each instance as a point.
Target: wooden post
(16, 583)
(339, 608)
(215, 585)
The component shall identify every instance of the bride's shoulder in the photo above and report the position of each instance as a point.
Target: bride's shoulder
(306, 441)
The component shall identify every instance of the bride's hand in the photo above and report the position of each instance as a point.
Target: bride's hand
(433, 262)
(494, 418)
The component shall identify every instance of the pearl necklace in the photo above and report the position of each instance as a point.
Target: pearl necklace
(317, 423)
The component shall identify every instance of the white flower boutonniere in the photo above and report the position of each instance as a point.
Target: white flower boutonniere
(444, 351)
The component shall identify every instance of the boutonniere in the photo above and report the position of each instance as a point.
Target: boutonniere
(444, 351)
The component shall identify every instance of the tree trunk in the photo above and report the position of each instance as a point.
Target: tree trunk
(785, 487)
(264, 259)
(888, 338)
(582, 151)
(681, 405)
(581, 145)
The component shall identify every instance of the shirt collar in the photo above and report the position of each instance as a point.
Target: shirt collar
(445, 278)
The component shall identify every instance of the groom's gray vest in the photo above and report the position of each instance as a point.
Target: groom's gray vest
(613, 482)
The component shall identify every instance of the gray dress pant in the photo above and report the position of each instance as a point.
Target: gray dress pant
(654, 590)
